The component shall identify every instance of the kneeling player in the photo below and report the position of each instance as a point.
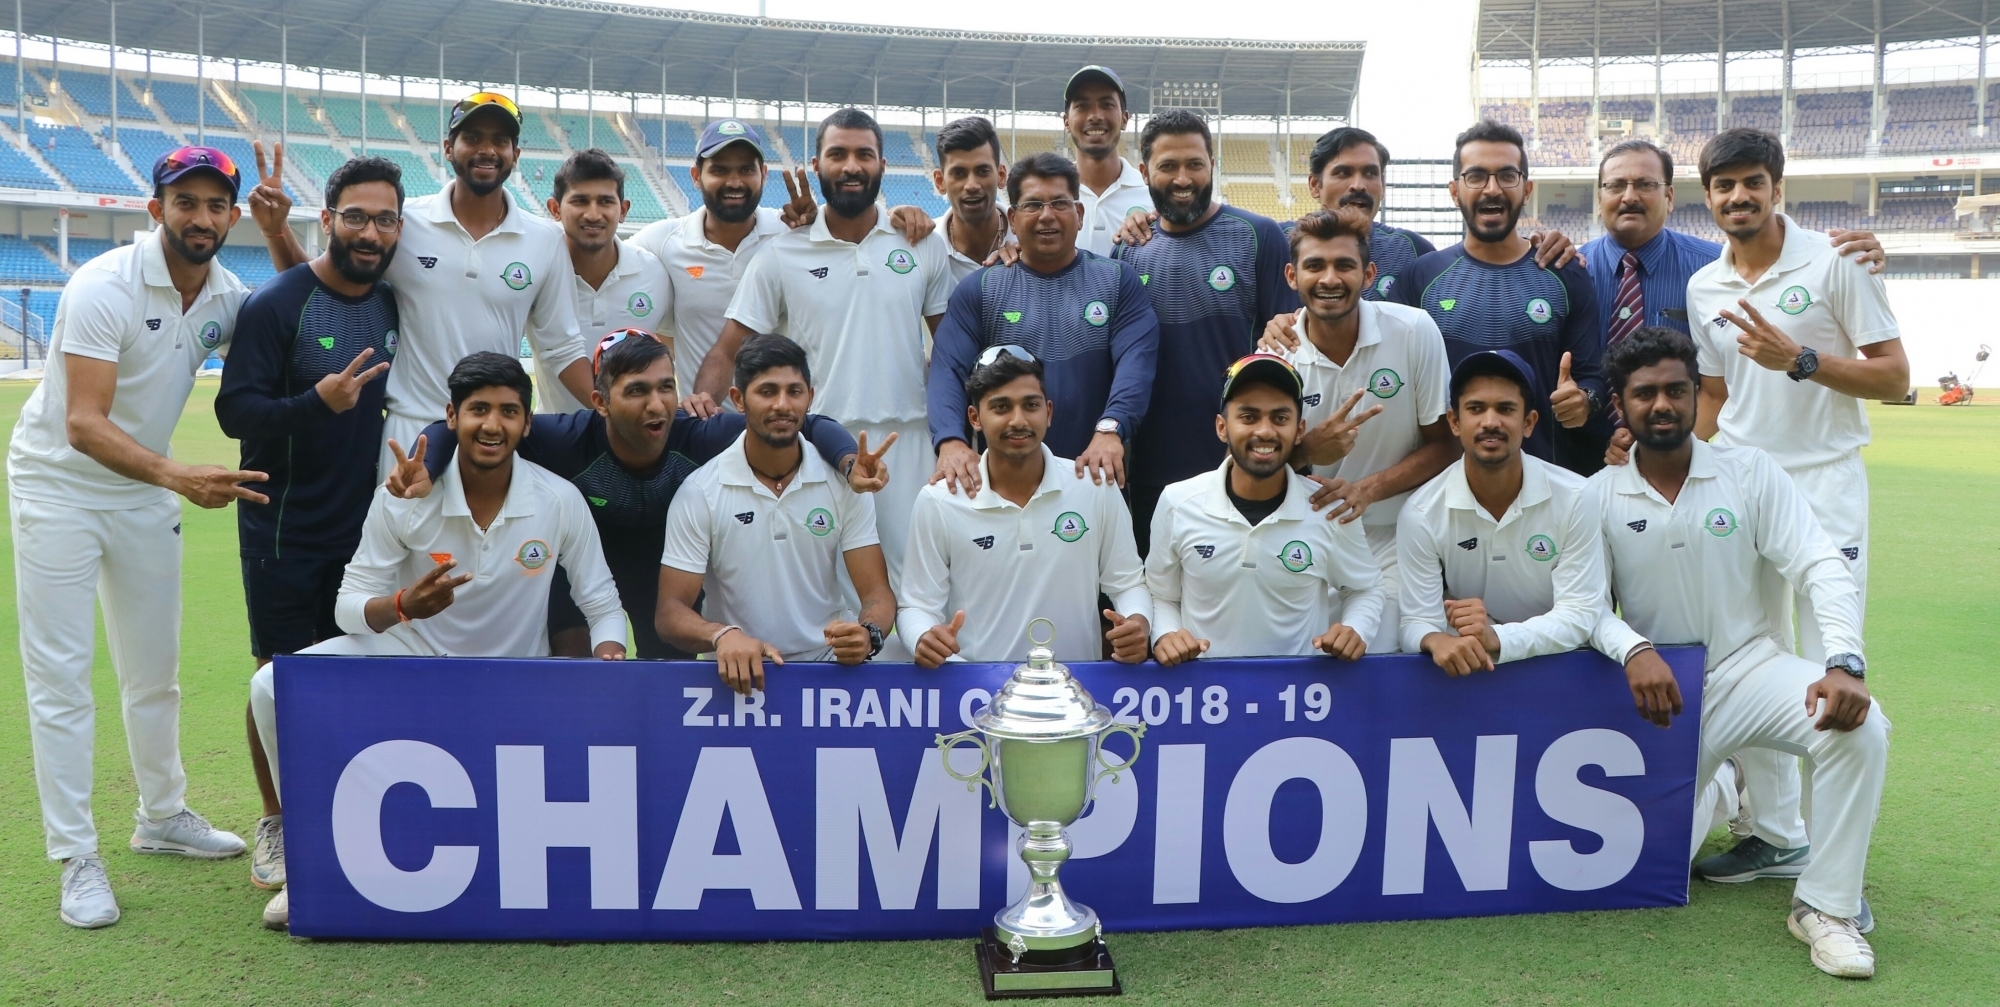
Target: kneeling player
(1241, 566)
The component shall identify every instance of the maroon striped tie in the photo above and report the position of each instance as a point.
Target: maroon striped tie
(1628, 310)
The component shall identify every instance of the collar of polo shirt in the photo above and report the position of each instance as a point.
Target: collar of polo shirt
(1797, 251)
(438, 211)
(1297, 506)
(820, 233)
(1534, 489)
(733, 467)
(153, 270)
(694, 229)
(990, 498)
(518, 503)
(1369, 333)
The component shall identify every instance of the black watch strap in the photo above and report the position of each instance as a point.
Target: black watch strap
(875, 638)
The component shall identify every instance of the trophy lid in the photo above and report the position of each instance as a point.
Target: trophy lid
(1042, 701)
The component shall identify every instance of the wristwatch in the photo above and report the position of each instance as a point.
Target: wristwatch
(1107, 425)
(1850, 663)
(1805, 366)
(875, 638)
(1590, 398)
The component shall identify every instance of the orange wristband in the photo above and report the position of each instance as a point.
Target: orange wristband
(401, 616)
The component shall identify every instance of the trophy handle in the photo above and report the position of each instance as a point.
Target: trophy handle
(1111, 769)
(947, 742)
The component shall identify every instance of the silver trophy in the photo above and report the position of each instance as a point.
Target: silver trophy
(1042, 744)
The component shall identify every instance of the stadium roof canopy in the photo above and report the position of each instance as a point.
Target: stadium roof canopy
(584, 44)
(1512, 31)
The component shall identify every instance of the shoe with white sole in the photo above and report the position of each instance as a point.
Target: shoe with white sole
(278, 911)
(86, 894)
(1751, 859)
(1838, 949)
(267, 854)
(186, 834)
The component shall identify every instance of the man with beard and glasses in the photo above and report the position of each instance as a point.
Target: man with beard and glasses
(1215, 275)
(1500, 560)
(766, 528)
(301, 392)
(91, 486)
(1086, 318)
(1036, 540)
(478, 271)
(861, 298)
(618, 285)
(1489, 292)
(1695, 535)
(970, 176)
(1242, 567)
(1095, 114)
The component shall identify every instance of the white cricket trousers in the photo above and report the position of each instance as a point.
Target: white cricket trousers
(1388, 634)
(1757, 699)
(1838, 494)
(399, 641)
(129, 560)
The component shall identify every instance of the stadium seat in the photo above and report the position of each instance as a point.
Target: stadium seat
(345, 114)
(899, 151)
(17, 171)
(91, 90)
(178, 99)
(73, 153)
(911, 190)
(21, 261)
(577, 128)
(535, 133)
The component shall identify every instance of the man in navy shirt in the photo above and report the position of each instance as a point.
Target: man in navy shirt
(301, 391)
(1489, 293)
(1347, 166)
(1085, 317)
(1215, 274)
(628, 455)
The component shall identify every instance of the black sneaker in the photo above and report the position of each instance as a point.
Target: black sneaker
(1751, 859)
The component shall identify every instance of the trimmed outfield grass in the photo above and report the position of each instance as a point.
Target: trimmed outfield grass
(191, 931)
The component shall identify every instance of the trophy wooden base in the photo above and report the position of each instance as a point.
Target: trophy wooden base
(1085, 970)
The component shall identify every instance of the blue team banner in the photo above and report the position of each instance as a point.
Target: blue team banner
(481, 799)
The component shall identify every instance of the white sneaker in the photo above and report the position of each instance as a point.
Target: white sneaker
(267, 857)
(278, 911)
(86, 893)
(1838, 949)
(187, 834)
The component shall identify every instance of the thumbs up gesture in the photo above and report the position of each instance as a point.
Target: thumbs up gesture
(940, 641)
(1128, 636)
(1571, 405)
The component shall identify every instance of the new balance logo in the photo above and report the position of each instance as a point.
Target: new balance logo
(1469, 544)
(983, 541)
(1313, 399)
(1852, 552)
(1206, 551)
(818, 274)
(153, 324)
(429, 261)
(1639, 525)
(746, 517)
(1719, 322)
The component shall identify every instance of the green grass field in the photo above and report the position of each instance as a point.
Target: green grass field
(191, 932)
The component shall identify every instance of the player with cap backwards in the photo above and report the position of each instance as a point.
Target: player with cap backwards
(1095, 114)
(618, 285)
(1241, 566)
(477, 270)
(91, 482)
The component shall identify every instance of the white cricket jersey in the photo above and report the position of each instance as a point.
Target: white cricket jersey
(1688, 572)
(770, 564)
(963, 265)
(1257, 592)
(1399, 360)
(635, 294)
(858, 309)
(120, 307)
(1818, 298)
(1539, 568)
(1007, 565)
(503, 611)
(704, 276)
(1104, 212)
(456, 296)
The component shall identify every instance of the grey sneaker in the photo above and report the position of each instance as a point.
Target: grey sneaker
(1838, 949)
(1751, 859)
(187, 834)
(278, 911)
(267, 857)
(86, 894)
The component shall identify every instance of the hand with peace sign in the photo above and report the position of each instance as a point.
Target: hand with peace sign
(342, 389)
(408, 478)
(1331, 439)
(432, 593)
(869, 473)
(1568, 401)
(1761, 341)
(940, 642)
(800, 210)
(269, 205)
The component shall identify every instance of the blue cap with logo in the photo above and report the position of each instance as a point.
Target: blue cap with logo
(723, 132)
(1495, 364)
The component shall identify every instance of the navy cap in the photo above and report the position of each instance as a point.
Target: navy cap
(1262, 368)
(1496, 364)
(1091, 74)
(723, 132)
(177, 164)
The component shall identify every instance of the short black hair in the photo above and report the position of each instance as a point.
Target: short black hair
(364, 169)
(1741, 145)
(1335, 141)
(1646, 346)
(848, 118)
(1325, 225)
(1638, 145)
(762, 353)
(984, 381)
(487, 369)
(591, 165)
(1489, 131)
(628, 356)
(1042, 165)
(969, 133)
(1173, 122)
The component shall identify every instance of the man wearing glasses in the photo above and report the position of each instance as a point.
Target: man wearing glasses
(1086, 318)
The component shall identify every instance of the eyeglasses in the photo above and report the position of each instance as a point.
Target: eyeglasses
(1643, 186)
(1478, 177)
(1034, 207)
(614, 338)
(992, 353)
(355, 220)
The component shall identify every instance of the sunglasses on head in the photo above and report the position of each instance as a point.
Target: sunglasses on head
(992, 353)
(614, 338)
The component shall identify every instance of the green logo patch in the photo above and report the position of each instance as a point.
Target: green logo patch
(819, 521)
(902, 261)
(730, 128)
(1794, 300)
(597, 501)
(1011, 316)
(1720, 523)
(1069, 526)
(1385, 383)
(640, 304)
(1539, 310)
(517, 275)
(211, 335)
(1296, 556)
(1541, 548)
(1145, 278)
(389, 340)
(534, 554)
(1097, 313)
(1222, 277)
(325, 342)
(1447, 304)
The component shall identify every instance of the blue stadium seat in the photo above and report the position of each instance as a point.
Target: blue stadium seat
(87, 168)
(179, 99)
(91, 90)
(22, 262)
(898, 151)
(17, 171)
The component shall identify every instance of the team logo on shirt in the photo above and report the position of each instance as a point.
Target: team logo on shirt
(1794, 300)
(534, 555)
(639, 304)
(694, 272)
(1639, 525)
(1541, 548)
(746, 517)
(1539, 310)
(1097, 313)
(1296, 556)
(1385, 383)
(1469, 544)
(1069, 526)
(1447, 304)
(389, 338)
(1145, 278)
(429, 261)
(152, 325)
(1383, 284)
(1720, 523)
(211, 335)
(1312, 399)
(597, 501)
(1852, 552)
(1222, 277)
(1204, 551)
(819, 521)
(902, 261)
(517, 275)
(325, 342)
(818, 273)
(983, 541)
(1011, 316)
